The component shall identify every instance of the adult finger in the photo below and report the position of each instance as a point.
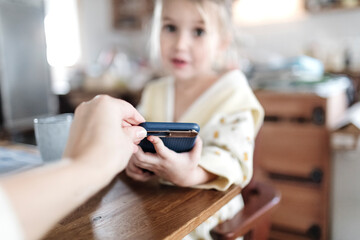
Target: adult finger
(129, 113)
(135, 133)
(135, 148)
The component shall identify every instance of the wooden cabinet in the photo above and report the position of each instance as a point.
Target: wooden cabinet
(70, 101)
(293, 153)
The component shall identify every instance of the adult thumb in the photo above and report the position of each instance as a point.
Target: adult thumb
(136, 133)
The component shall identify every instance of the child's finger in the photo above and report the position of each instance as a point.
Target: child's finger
(196, 151)
(145, 160)
(137, 173)
(143, 177)
(134, 169)
(159, 146)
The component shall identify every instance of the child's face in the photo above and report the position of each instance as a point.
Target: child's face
(188, 44)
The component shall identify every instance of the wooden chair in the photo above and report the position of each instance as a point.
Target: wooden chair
(260, 200)
(253, 221)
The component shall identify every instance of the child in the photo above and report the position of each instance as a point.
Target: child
(192, 36)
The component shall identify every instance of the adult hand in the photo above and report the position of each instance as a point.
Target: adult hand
(181, 169)
(102, 138)
(104, 134)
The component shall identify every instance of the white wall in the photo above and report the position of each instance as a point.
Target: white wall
(287, 39)
(290, 38)
(97, 33)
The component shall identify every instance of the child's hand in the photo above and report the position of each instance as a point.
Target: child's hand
(182, 169)
(137, 173)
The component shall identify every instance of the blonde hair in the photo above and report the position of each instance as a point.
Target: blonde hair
(223, 10)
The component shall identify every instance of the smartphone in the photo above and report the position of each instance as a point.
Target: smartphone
(179, 137)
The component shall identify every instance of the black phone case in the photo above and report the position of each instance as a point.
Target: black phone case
(179, 137)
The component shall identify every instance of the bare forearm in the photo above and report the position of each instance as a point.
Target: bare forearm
(44, 196)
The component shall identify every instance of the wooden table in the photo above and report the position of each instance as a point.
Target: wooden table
(127, 209)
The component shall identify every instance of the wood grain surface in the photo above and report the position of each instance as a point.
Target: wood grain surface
(127, 209)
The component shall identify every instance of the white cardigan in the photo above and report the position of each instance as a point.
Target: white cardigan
(229, 116)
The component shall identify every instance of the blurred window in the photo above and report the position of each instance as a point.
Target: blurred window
(257, 12)
(62, 32)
